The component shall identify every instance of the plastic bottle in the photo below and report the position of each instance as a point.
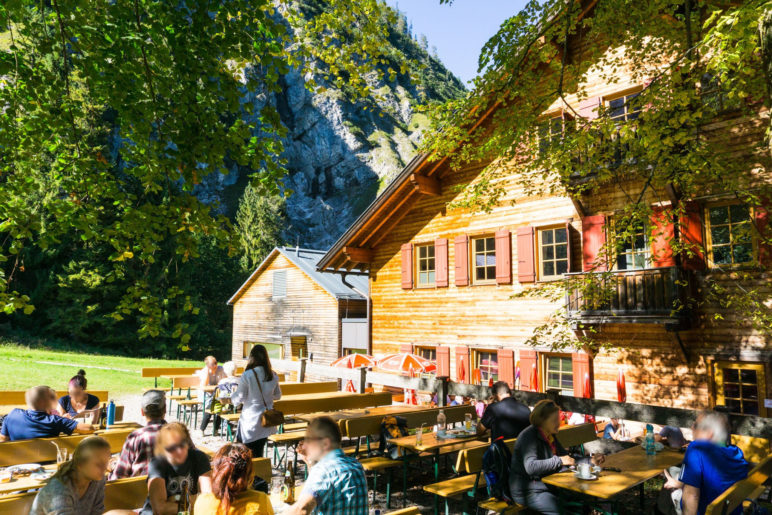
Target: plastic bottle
(110, 413)
(648, 442)
(442, 424)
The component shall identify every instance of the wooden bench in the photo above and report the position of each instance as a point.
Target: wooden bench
(406, 511)
(301, 388)
(470, 461)
(120, 494)
(755, 449)
(749, 488)
(357, 401)
(41, 450)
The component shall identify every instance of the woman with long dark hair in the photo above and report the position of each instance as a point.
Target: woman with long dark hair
(232, 477)
(258, 389)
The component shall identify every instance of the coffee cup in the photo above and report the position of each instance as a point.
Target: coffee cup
(584, 470)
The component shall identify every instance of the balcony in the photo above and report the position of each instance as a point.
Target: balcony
(648, 296)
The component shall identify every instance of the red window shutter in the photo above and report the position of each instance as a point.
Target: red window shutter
(506, 359)
(662, 234)
(463, 371)
(526, 267)
(503, 257)
(691, 232)
(461, 258)
(443, 361)
(441, 262)
(588, 108)
(582, 371)
(528, 360)
(406, 348)
(593, 239)
(407, 266)
(762, 216)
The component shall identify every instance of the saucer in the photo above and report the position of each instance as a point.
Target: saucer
(591, 477)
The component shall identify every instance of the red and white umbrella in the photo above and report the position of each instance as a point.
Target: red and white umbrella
(405, 363)
(353, 361)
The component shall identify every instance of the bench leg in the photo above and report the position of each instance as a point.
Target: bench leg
(388, 491)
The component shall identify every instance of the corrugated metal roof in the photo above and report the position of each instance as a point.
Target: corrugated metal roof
(307, 260)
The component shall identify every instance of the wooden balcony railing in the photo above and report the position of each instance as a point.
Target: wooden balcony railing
(652, 295)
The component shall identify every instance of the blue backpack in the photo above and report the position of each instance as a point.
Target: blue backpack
(495, 467)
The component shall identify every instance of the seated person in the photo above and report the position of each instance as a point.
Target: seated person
(232, 477)
(336, 483)
(138, 449)
(176, 470)
(78, 402)
(506, 417)
(79, 484)
(616, 430)
(710, 466)
(671, 436)
(36, 422)
(210, 375)
(225, 388)
(538, 453)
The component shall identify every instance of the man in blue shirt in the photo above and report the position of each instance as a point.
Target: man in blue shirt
(36, 422)
(710, 465)
(336, 483)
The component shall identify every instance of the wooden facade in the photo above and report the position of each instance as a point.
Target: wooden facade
(292, 310)
(472, 320)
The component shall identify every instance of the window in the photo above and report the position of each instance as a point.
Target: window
(730, 240)
(348, 351)
(553, 253)
(713, 95)
(275, 350)
(298, 347)
(624, 108)
(559, 372)
(631, 247)
(741, 387)
(484, 254)
(426, 352)
(279, 284)
(424, 258)
(487, 362)
(551, 131)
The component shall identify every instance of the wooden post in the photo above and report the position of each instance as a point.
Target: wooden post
(442, 391)
(553, 394)
(302, 371)
(362, 379)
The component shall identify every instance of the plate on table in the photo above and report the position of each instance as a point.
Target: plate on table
(25, 469)
(42, 476)
(591, 477)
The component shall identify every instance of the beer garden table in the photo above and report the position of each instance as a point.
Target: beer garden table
(430, 443)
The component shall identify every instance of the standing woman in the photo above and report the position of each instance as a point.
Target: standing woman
(79, 401)
(258, 388)
(79, 484)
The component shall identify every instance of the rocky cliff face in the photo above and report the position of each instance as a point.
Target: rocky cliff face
(341, 153)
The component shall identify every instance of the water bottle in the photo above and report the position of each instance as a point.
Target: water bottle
(442, 424)
(111, 413)
(648, 444)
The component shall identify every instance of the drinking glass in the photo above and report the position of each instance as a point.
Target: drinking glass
(468, 421)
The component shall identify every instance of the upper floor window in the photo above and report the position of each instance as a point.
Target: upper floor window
(551, 131)
(729, 231)
(484, 259)
(425, 265)
(553, 253)
(487, 362)
(279, 284)
(631, 246)
(624, 108)
(426, 352)
(713, 94)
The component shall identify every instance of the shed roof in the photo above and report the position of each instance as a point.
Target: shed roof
(307, 260)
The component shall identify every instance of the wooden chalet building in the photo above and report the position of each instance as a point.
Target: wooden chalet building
(442, 281)
(296, 311)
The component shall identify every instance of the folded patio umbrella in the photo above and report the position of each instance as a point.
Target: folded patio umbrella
(621, 389)
(587, 394)
(535, 378)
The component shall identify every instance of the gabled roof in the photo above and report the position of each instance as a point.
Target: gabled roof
(307, 260)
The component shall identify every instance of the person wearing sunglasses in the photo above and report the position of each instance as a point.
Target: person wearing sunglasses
(178, 469)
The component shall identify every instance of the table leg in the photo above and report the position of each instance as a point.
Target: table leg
(641, 492)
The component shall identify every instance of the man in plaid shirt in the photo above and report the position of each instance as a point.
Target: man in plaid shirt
(138, 449)
(336, 483)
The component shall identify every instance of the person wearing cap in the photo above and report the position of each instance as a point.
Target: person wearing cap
(138, 449)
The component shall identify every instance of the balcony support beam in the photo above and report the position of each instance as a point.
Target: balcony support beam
(678, 343)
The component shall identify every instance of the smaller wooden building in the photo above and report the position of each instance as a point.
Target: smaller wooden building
(297, 311)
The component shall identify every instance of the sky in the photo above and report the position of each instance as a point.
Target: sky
(460, 30)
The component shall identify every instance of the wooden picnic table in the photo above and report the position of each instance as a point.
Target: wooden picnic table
(119, 426)
(19, 484)
(636, 468)
(431, 444)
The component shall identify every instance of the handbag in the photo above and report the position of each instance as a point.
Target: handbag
(271, 417)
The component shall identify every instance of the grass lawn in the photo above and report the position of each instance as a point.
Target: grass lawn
(22, 367)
